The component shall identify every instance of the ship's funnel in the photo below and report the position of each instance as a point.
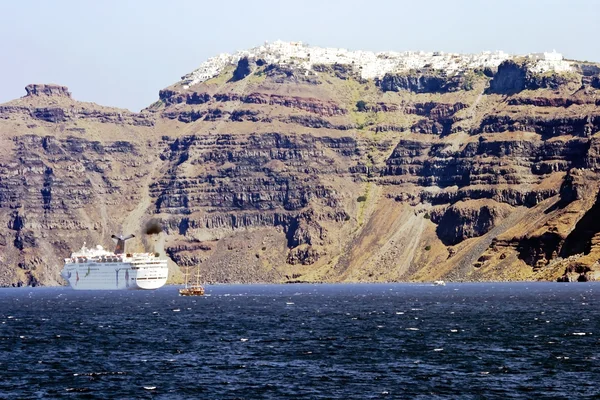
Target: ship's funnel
(120, 249)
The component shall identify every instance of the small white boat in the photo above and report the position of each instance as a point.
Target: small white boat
(439, 283)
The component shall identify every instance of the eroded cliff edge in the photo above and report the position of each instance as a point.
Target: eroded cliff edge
(275, 173)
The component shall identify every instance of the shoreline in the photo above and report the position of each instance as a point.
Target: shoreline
(424, 283)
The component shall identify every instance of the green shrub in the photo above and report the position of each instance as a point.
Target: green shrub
(361, 106)
(361, 198)
(427, 248)
(427, 216)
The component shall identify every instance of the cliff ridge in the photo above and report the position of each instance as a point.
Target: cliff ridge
(286, 163)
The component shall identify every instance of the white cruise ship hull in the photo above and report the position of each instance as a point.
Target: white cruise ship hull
(115, 275)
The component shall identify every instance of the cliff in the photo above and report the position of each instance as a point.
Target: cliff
(275, 171)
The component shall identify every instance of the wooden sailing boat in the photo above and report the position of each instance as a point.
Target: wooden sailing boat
(192, 290)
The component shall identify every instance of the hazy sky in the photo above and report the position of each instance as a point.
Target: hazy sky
(121, 53)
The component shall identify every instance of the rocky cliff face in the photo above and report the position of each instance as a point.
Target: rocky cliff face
(515, 76)
(277, 173)
(47, 90)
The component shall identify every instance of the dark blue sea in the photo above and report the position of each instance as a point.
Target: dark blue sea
(364, 341)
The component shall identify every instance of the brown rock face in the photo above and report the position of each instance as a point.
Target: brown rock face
(468, 219)
(312, 105)
(279, 173)
(47, 90)
(53, 103)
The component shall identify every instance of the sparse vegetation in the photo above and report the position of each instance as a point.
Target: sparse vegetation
(362, 200)
(370, 158)
(361, 106)
(257, 77)
(156, 105)
(469, 81)
(225, 75)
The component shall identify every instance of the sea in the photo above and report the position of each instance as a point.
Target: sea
(344, 341)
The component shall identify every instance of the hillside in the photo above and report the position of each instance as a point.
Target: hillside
(293, 163)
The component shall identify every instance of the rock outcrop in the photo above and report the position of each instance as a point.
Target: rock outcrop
(286, 171)
(515, 76)
(47, 90)
(424, 82)
(468, 219)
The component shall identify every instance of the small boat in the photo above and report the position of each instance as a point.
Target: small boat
(439, 283)
(192, 290)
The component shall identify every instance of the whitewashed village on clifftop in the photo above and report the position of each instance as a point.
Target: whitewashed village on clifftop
(370, 64)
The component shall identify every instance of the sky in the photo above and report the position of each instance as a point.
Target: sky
(122, 52)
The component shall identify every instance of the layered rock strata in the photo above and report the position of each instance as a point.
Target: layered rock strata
(281, 171)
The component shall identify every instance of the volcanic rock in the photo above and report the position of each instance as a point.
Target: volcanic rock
(266, 168)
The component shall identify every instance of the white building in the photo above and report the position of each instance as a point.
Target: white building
(549, 62)
(370, 64)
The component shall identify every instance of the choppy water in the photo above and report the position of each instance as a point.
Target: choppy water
(520, 340)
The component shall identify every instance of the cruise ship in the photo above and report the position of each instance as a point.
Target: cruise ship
(99, 269)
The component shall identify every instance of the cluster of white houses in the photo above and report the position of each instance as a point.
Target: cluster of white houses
(370, 64)
(549, 62)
